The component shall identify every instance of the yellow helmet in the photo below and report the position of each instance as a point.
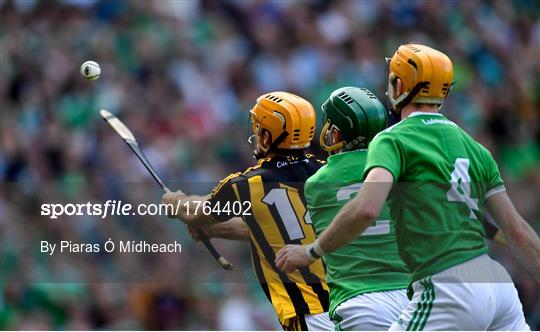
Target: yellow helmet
(289, 118)
(426, 75)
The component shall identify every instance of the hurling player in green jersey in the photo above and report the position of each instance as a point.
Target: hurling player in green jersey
(437, 180)
(367, 278)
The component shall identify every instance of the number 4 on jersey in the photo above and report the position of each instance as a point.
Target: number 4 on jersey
(461, 186)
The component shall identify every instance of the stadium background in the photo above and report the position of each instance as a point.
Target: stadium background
(183, 75)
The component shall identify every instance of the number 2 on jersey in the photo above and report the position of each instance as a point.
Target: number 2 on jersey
(380, 227)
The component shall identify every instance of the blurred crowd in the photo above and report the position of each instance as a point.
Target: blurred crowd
(183, 75)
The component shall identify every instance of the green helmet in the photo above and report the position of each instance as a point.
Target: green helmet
(356, 113)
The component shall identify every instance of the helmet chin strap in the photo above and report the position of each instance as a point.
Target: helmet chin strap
(405, 98)
(259, 152)
(254, 150)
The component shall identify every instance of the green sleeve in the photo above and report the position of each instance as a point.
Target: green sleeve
(384, 151)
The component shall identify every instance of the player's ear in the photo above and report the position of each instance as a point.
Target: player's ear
(266, 139)
(399, 87)
(336, 136)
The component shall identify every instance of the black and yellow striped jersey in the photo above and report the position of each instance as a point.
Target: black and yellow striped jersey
(278, 216)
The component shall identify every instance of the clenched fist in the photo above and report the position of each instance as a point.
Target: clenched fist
(194, 233)
(292, 257)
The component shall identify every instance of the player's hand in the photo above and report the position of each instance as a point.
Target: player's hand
(173, 201)
(291, 257)
(194, 233)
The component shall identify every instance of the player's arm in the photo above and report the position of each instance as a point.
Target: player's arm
(189, 208)
(493, 233)
(234, 229)
(359, 213)
(352, 220)
(203, 211)
(521, 237)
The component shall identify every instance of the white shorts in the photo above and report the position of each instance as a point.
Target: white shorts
(475, 295)
(319, 322)
(374, 311)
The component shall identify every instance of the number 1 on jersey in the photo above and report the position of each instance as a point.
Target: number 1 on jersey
(279, 198)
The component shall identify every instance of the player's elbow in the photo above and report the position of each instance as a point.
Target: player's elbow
(517, 233)
(368, 214)
(358, 214)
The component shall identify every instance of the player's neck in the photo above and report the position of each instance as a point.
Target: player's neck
(423, 108)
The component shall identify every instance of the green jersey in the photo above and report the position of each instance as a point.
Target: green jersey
(444, 177)
(369, 263)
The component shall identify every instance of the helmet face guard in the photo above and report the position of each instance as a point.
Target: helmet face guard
(397, 104)
(325, 139)
(257, 151)
(391, 81)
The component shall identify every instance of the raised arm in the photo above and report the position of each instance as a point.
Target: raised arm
(359, 213)
(520, 236)
(188, 208)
